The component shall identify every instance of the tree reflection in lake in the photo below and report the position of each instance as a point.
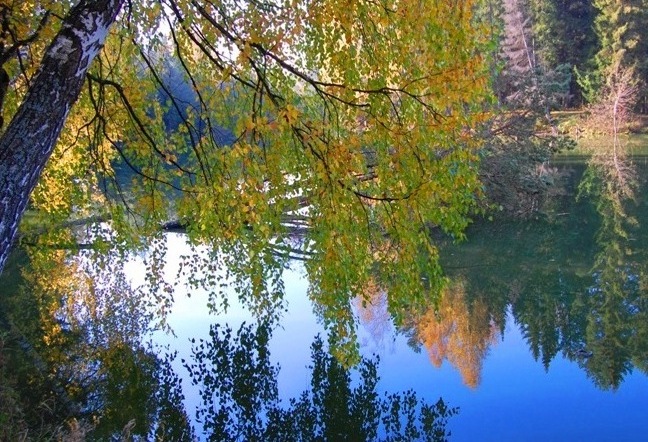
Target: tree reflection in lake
(574, 279)
(73, 360)
(451, 330)
(458, 332)
(74, 363)
(619, 303)
(240, 399)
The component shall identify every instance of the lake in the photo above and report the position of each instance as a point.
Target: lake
(541, 334)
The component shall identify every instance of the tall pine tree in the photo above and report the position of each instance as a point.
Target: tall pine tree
(620, 27)
(564, 35)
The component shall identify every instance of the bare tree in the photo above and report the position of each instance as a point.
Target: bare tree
(611, 115)
(518, 53)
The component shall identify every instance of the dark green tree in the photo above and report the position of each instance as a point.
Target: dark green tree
(620, 28)
(564, 35)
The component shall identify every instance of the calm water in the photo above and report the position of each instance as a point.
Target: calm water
(517, 398)
(542, 334)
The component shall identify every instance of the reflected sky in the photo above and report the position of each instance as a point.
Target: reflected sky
(516, 399)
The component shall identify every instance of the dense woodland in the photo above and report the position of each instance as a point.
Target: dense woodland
(355, 137)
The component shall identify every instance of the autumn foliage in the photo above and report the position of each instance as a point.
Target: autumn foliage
(458, 332)
(234, 119)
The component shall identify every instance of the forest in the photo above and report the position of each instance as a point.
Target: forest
(360, 139)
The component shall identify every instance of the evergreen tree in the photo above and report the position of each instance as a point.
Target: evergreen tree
(619, 27)
(512, 166)
(564, 35)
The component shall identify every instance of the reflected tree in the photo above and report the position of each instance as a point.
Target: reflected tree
(73, 360)
(574, 279)
(614, 297)
(458, 332)
(373, 313)
(240, 399)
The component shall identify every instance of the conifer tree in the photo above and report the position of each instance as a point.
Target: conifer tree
(620, 27)
(564, 36)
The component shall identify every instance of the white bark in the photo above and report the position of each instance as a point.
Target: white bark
(27, 144)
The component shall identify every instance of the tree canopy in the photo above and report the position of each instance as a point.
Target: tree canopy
(349, 123)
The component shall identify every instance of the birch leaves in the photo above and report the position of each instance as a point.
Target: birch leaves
(339, 131)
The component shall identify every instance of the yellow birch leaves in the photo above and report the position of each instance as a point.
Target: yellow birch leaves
(342, 131)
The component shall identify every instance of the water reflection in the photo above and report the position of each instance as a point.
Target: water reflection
(450, 330)
(457, 332)
(574, 280)
(240, 397)
(85, 372)
(74, 362)
(74, 357)
(618, 303)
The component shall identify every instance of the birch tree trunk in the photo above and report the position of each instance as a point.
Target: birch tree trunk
(27, 144)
